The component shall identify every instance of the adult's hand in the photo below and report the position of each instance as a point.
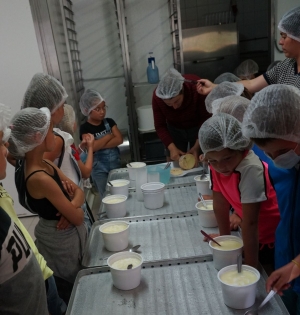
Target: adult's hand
(175, 153)
(280, 278)
(195, 151)
(63, 223)
(204, 86)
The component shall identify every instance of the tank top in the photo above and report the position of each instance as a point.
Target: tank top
(43, 207)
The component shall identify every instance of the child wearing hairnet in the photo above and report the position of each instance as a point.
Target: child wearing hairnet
(25, 269)
(107, 137)
(284, 72)
(241, 180)
(272, 121)
(32, 136)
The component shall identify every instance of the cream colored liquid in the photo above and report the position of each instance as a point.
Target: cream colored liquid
(227, 245)
(232, 277)
(114, 228)
(119, 184)
(116, 200)
(122, 264)
(209, 207)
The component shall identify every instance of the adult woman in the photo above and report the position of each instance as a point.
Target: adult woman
(178, 112)
(286, 71)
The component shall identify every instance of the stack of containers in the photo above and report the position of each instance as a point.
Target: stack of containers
(153, 195)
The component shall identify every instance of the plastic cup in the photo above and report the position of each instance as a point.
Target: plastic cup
(154, 195)
(115, 241)
(120, 187)
(115, 210)
(222, 257)
(132, 169)
(127, 279)
(203, 185)
(206, 216)
(238, 297)
(152, 174)
(164, 174)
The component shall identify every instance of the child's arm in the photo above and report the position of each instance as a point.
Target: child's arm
(41, 185)
(116, 140)
(57, 150)
(250, 232)
(100, 143)
(86, 168)
(221, 208)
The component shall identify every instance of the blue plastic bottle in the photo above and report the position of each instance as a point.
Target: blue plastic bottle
(152, 70)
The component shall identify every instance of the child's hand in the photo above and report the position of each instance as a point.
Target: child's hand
(63, 223)
(68, 188)
(235, 221)
(89, 138)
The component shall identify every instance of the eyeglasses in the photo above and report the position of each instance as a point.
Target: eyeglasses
(99, 109)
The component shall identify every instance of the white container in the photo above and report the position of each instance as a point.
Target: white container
(206, 216)
(203, 185)
(223, 257)
(132, 169)
(140, 179)
(115, 241)
(239, 297)
(127, 279)
(145, 118)
(120, 187)
(115, 206)
(154, 195)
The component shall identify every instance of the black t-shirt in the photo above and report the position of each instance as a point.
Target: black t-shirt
(96, 131)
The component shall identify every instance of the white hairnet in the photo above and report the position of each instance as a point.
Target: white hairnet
(5, 114)
(247, 68)
(170, 84)
(44, 91)
(290, 24)
(227, 76)
(232, 105)
(222, 131)
(68, 121)
(274, 112)
(29, 128)
(89, 100)
(222, 90)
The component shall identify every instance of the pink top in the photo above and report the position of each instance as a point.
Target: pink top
(250, 183)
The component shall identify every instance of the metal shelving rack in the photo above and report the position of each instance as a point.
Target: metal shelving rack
(176, 32)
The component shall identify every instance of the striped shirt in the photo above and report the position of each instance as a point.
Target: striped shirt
(285, 72)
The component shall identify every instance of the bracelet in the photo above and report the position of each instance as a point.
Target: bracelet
(296, 263)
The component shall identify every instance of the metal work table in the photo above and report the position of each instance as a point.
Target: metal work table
(184, 286)
(178, 198)
(161, 237)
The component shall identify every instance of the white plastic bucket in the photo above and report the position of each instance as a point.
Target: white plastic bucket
(223, 258)
(203, 185)
(127, 279)
(115, 210)
(120, 187)
(145, 118)
(154, 195)
(207, 217)
(133, 167)
(239, 297)
(115, 241)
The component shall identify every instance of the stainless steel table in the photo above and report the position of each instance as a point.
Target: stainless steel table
(178, 198)
(168, 287)
(122, 173)
(161, 237)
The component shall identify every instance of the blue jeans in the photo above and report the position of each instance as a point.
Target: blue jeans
(291, 300)
(56, 306)
(104, 161)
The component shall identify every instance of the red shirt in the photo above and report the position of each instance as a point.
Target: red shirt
(190, 114)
